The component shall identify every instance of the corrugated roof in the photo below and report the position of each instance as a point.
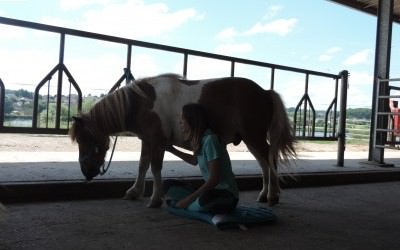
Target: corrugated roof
(370, 6)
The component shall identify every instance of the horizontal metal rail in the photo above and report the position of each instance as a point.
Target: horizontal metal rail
(86, 34)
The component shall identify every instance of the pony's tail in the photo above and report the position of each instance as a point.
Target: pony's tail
(280, 133)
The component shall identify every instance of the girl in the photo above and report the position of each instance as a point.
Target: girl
(219, 193)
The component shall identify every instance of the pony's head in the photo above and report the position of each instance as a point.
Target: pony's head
(93, 146)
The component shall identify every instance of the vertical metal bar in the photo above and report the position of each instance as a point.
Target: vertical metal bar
(232, 68)
(272, 78)
(48, 104)
(69, 103)
(2, 102)
(342, 122)
(305, 106)
(381, 71)
(185, 63)
(128, 71)
(335, 107)
(60, 78)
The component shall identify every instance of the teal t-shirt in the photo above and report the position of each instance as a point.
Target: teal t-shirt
(212, 149)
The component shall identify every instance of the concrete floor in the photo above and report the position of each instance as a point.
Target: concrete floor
(362, 216)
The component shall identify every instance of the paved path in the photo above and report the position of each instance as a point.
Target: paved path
(45, 166)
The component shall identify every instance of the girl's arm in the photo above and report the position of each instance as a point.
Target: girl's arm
(191, 159)
(212, 182)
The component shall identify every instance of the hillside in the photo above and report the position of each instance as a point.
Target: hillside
(20, 103)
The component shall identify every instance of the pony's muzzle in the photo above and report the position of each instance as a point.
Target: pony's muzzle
(90, 174)
(88, 170)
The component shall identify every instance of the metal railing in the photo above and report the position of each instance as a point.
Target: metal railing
(304, 116)
(387, 136)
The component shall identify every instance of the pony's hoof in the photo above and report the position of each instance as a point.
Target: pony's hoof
(155, 204)
(262, 198)
(273, 201)
(130, 196)
(127, 197)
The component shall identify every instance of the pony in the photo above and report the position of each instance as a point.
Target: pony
(238, 109)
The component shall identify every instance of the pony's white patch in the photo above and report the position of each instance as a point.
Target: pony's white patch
(171, 96)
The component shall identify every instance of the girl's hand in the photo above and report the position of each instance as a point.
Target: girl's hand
(184, 203)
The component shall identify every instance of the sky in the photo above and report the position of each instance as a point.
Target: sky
(315, 34)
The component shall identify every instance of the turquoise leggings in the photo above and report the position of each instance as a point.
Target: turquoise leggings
(215, 201)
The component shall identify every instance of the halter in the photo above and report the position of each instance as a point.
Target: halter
(92, 149)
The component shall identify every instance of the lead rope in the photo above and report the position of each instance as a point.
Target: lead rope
(104, 169)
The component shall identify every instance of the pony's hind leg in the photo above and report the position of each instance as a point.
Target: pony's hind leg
(270, 191)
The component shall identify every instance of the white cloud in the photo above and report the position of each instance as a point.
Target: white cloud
(272, 11)
(280, 27)
(333, 50)
(56, 21)
(231, 49)
(325, 57)
(145, 65)
(132, 19)
(8, 32)
(359, 79)
(328, 54)
(35, 64)
(202, 68)
(68, 5)
(227, 34)
(358, 58)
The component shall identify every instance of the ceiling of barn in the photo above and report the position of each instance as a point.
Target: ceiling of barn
(370, 6)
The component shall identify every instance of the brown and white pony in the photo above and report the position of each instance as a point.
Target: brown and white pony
(238, 109)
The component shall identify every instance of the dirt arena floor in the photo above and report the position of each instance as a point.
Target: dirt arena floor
(339, 217)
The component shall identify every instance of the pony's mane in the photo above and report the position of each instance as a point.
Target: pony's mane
(109, 114)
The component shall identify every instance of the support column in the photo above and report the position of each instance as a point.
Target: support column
(382, 66)
(342, 118)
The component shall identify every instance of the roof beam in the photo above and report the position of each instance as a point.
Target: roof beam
(370, 7)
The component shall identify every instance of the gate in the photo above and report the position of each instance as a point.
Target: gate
(387, 133)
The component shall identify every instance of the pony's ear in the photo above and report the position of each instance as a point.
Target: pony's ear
(78, 120)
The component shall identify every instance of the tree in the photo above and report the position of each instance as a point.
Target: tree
(24, 93)
(359, 113)
(8, 105)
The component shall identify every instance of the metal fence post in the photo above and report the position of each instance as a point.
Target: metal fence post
(2, 102)
(342, 118)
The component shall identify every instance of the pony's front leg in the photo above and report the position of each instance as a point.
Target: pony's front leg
(137, 189)
(157, 158)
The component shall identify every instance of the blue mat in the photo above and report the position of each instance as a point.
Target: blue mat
(244, 215)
